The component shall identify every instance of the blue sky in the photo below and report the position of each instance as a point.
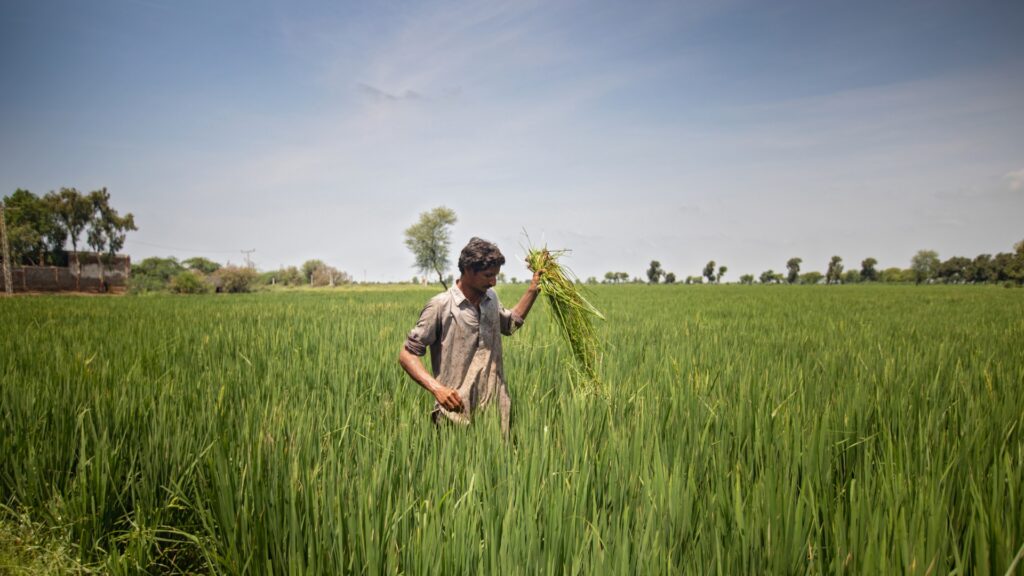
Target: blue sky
(744, 132)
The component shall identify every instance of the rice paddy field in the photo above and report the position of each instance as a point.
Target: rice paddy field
(743, 430)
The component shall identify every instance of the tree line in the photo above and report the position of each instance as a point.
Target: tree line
(39, 227)
(200, 275)
(925, 267)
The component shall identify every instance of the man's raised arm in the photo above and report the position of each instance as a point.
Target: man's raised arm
(526, 302)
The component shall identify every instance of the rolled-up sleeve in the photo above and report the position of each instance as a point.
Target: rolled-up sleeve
(425, 332)
(510, 321)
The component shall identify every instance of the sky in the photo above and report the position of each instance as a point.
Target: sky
(745, 132)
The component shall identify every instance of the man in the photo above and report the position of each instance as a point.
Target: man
(462, 327)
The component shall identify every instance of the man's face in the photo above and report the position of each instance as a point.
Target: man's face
(482, 280)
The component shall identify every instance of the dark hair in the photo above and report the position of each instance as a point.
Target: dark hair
(480, 255)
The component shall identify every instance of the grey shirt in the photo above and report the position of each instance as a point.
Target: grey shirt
(465, 350)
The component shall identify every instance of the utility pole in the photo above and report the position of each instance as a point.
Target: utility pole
(248, 261)
(8, 284)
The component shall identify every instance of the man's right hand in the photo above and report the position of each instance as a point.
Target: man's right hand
(448, 398)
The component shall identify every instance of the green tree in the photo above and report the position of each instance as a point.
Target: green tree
(670, 278)
(835, 270)
(746, 279)
(709, 271)
(654, 273)
(32, 229)
(893, 275)
(326, 275)
(201, 264)
(770, 277)
(308, 268)
(235, 278)
(108, 230)
(851, 276)
(189, 282)
(812, 277)
(1008, 267)
(924, 265)
(981, 269)
(954, 270)
(429, 240)
(1017, 270)
(153, 274)
(73, 211)
(793, 270)
(721, 272)
(615, 277)
(868, 273)
(290, 276)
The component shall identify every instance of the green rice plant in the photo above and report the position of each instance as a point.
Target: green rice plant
(573, 314)
(870, 429)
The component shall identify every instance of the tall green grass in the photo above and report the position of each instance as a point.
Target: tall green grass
(750, 430)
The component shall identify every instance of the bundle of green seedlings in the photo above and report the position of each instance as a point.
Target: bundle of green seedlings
(573, 314)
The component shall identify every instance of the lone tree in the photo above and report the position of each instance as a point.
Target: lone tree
(793, 265)
(721, 272)
(654, 273)
(429, 241)
(709, 271)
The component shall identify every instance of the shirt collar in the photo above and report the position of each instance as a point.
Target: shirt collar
(458, 297)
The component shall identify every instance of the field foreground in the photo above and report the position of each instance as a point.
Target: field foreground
(744, 430)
